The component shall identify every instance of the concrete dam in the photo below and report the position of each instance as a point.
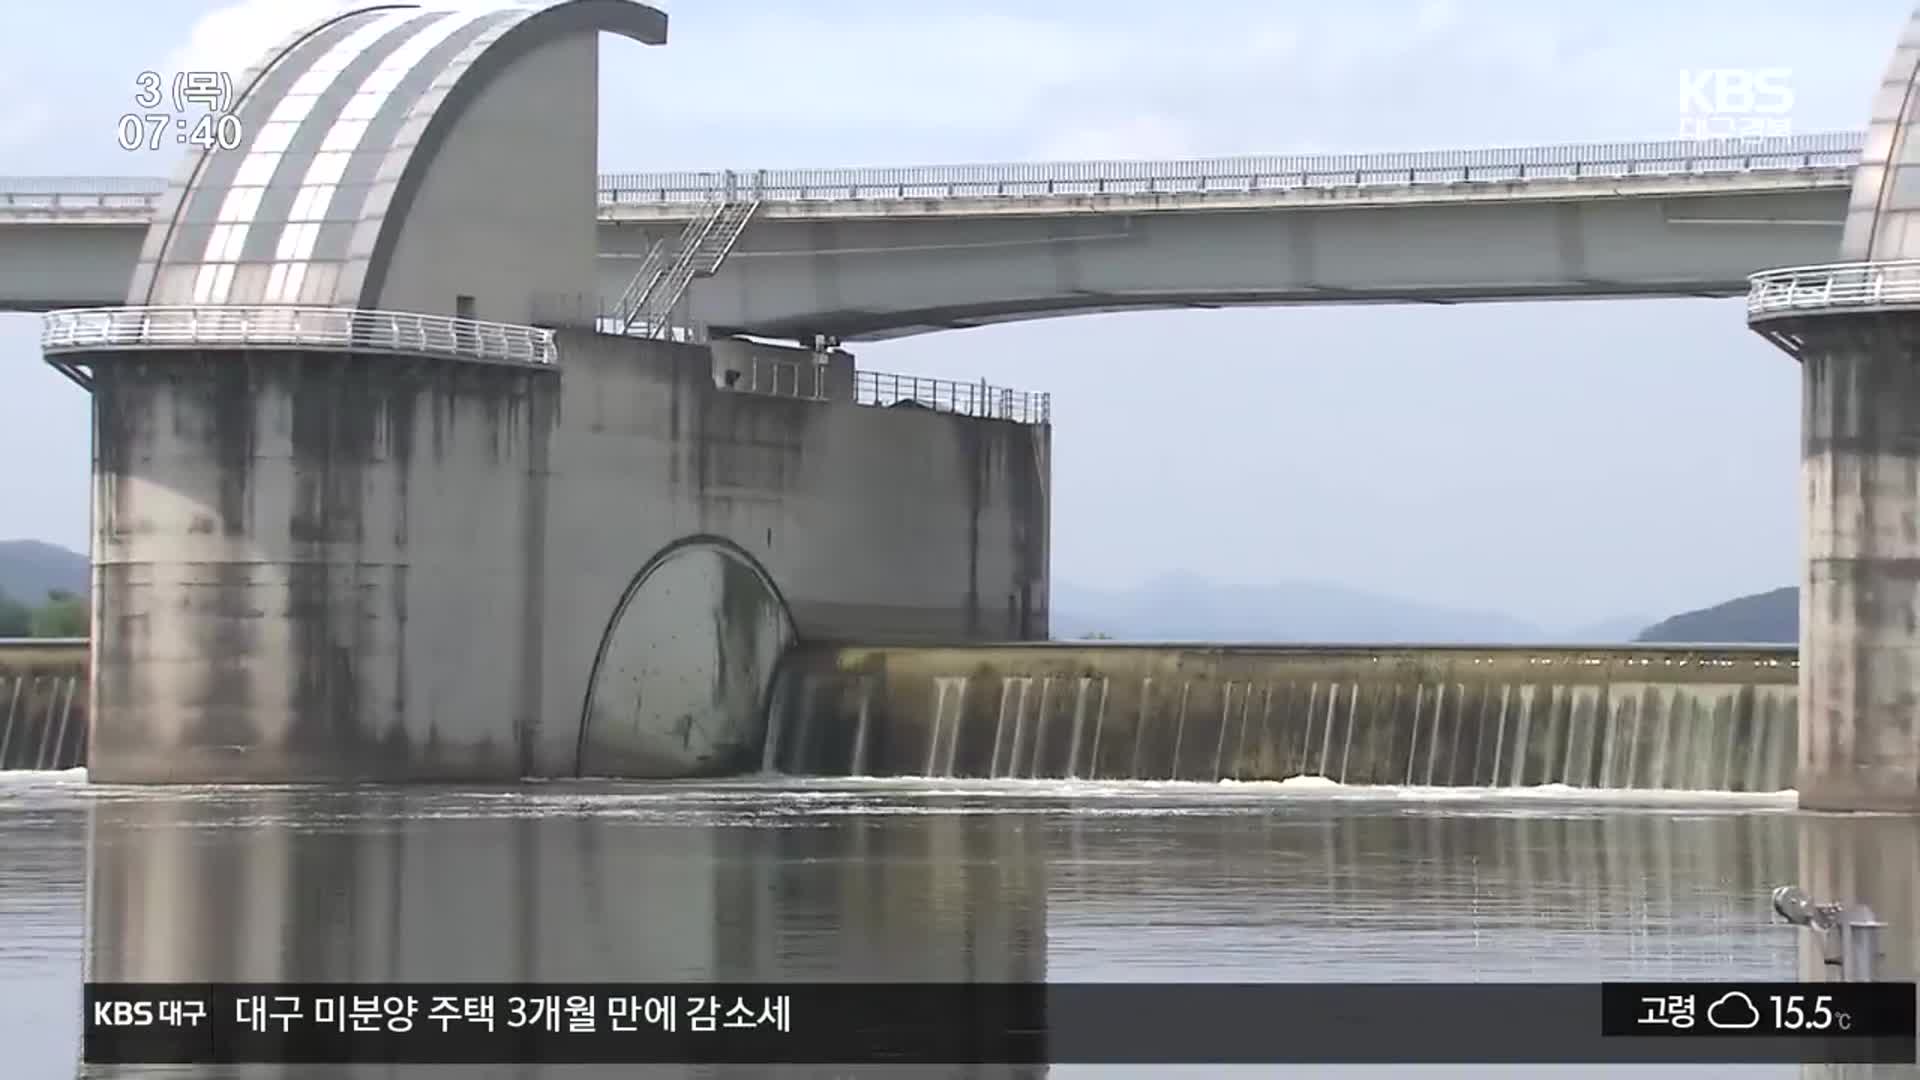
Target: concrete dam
(1641, 717)
(1677, 718)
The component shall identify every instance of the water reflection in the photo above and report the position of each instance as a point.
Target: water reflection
(911, 881)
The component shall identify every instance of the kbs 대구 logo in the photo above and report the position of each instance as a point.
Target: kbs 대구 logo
(1736, 103)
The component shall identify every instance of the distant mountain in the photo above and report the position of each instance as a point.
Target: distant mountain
(30, 568)
(1183, 608)
(1768, 617)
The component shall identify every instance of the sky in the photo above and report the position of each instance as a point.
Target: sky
(1562, 462)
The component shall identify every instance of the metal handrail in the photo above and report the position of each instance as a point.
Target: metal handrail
(1824, 150)
(946, 395)
(776, 377)
(1836, 285)
(245, 326)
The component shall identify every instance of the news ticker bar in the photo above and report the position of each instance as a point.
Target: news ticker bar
(999, 1023)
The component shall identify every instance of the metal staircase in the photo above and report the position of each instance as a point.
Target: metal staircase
(646, 308)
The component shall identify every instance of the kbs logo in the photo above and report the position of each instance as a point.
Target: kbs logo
(1736, 103)
(122, 1013)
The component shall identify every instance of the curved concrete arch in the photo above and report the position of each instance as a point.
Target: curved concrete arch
(1883, 214)
(161, 233)
(477, 70)
(678, 684)
(341, 123)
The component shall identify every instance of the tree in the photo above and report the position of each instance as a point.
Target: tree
(64, 615)
(16, 619)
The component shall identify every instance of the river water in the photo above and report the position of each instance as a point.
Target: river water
(908, 880)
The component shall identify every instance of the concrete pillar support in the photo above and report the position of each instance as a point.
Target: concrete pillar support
(1860, 591)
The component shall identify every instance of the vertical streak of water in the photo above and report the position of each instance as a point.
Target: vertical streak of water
(1522, 729)
(1346, 747)
(1240, 747)
(957, 721)
(1000, 726)
(1636, 736)
(1705, 707)
(1499, 735)
(1041, 722)
(1413, 746)
(939, 715)
(1266, 723)
(1140, 723)
(1609, 738)
(1226, 712)
(13, 710)
(60, 737)
(1179, 731)
(959, 718)
(1714, 770)
(1303, 762)
(1455, 773)
(860, 729)
(777, 708)
(1745, 770)
(1079, 725)
(1326, 732)
(1777, 719)
(46, 722)
(1099, 724)
(1658, 735)
(1019, 728)
(800, 756)
(1573, 766)
(1433, 727)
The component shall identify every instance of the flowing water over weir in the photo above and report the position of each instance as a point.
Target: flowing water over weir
(1636, 717)
(43, 704)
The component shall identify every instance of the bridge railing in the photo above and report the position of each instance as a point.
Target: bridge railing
(1249, 173)
(1834, 285)
(245, 326)
(1267, 172)
(945, 395)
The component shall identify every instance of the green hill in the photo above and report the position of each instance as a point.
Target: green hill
(1763, 618)
(29, 569)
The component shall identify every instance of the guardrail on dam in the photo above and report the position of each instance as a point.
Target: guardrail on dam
(1669, 717)
(43, 703)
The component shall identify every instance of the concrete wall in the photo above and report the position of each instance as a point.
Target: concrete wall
(314, 567)
(500, 215)
(868, 524)
(1700, 719)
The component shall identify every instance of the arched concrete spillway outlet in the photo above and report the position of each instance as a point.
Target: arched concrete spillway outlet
(684, 667)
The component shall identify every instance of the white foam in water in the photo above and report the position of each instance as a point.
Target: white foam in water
(76, 774)
(826, 789)
(1292, 787)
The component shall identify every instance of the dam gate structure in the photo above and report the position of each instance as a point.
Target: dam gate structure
(369, 505)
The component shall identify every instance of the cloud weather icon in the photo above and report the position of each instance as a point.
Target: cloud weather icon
(1733, 1012)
